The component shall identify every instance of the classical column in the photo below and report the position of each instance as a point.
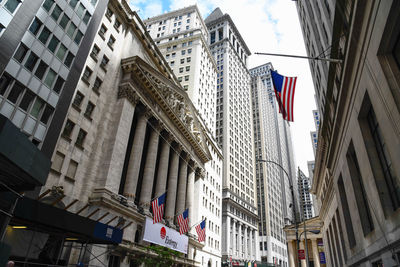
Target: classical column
(149, 168)
(181, 197)
(315, 252)
(245, 240)
(291, 252)
(132, 174)
(240, 239)
(112, 160)
(190, 193)
(162, 173)
(228, 236)
(172, 185)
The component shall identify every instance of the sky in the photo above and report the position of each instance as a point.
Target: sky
(268, 26)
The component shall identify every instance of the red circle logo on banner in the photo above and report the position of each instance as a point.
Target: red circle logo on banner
(163, 232)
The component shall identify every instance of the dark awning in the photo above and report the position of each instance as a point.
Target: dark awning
(23, 166)
(52, 220)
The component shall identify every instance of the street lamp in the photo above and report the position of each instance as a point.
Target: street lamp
(293, 201)
(305, 240)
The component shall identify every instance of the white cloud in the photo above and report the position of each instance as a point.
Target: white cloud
(146, 9)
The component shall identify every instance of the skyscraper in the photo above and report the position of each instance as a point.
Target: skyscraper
(181, 36)
(234, 134)
(306, 201)
(272, 143)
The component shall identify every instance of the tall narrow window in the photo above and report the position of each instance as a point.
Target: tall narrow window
(21, 53)
(385, 178)
(346, 213)
(35, 26)
(359, 191)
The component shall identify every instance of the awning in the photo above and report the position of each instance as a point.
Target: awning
(52, 220)
(23, 166)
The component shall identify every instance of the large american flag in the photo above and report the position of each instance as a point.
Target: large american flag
(201, 231)
(284, 92)
(158, 208)
(183, 221)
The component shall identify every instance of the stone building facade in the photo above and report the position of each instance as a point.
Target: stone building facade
(357, 167)
(131, 133)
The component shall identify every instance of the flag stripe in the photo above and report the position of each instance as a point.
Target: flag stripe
(201, 231)
(284, 91)
(183, 221)
(158, 208)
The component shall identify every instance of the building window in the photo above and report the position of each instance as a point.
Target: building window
(109, 13)
(111, 42)
(187, 68)
(41, 69)
(56, 12)
(35, 26)
(58, 162)
(180, 70)
(31, 61)
(48, 4)
(97, 84)
(86, 74)
(188, 59)
(89, 110)
(386, 182)
(53, 44)
(44, 35)
(21, 53)
(212, 37)
(102, 31)
(68, 60)
(95, 52)
(359, 191)
(58, 85)
(117, 24)
(73, 3)
(68, 128)
(62, 50)
(71, 29)
(104, 62)
(5, 81)
(11, 5)
(187, 78)
(81, 138)
(86, 18)
(64, 21)
(78, 100)
(50, 77)
(48, 111)
(26, 100)
(80, 11)
(78, 37)
(37, 107)
(71, 172)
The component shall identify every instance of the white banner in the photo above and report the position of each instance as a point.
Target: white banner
(164, 236)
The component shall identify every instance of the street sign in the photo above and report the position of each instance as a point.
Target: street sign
(301, 254)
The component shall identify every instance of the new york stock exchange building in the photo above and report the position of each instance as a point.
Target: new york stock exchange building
(130, 135)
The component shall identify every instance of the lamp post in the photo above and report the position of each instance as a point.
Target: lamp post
(305, 240)
(293, 202)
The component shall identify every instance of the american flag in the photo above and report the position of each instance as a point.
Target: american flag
(183, 221)
(284, 92)
(158, 208)
(201, 231)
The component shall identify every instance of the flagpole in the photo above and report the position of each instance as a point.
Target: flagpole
(196, 224)
(158, 196)
(333, 60)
